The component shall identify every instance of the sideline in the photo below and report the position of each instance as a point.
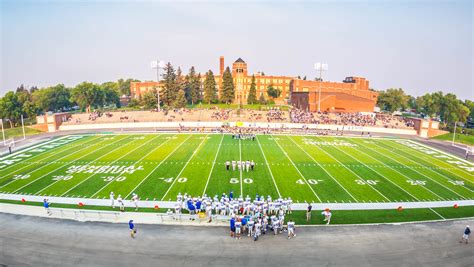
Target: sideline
(296, 206)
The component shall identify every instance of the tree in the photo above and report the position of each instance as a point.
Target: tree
(43, 99)
(192, 91)
(392, 99)
(227, 91)
(252, 98)
(180, 101)
(210, 90)
(60, 97)
(262, 100)
(111, 93)
(123, 86)
(273, 92)
(470, 105)
(134, 103)
(87, 95)
(169, 92)
(10, 108)
(150, 99)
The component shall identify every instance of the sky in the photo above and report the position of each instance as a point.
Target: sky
(420, 46)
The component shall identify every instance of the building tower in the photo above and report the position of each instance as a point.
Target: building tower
(239, 73)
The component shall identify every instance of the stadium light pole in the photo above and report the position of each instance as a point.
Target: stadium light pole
(3, 133)
(156, 64)
(320, 67)
(23, 127)
(454, 133)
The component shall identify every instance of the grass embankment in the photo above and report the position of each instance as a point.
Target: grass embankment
(18, 132)
(460, 138)
(339, 216)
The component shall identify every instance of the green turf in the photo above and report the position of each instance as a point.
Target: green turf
(339, 216)
(305, 168)
(460, 138)
(18, 132)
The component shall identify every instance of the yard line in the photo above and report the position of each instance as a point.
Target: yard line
(177, 176)
(268, 166)
(87, 178)
(421, 174)
(329, 154)
(323, 168)
(240, 156)
(62, 166)
(427, 161)
(33, 147)
(294, 165)
(213, 163)
(437, 214)
(378, 174)
(156, 167)
(360, 150)
(54, 154)
(136, 162)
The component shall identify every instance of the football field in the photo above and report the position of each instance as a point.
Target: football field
(305, 168)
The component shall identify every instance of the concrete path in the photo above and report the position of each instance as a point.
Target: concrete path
(34, 241)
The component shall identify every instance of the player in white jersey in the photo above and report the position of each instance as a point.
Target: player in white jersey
(247, 165)
(276, 227)
(209, 212)
(251, 224)
(258, 227)
(120, 203)
(291, 229)
(239, 165)
(177, 207)
(112, 200)
(233, 165)
(327, 216)
(238, 228)
(135, 200)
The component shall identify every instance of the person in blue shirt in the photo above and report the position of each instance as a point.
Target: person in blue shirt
(131, 226)
(465, 235)
(244, 224)
(232, 227)
(46, 206)
(191, 207)
(231, 195)
(198, 205)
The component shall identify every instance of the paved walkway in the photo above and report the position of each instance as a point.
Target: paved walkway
(34, 241)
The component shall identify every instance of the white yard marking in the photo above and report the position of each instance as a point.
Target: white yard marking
(268, 166)
(294, 165)
(421, 174)
(184, 167)
(32, 147)
(213, 163)
(241, 168)
(157, 166)
(58, 167)
(136, 162)
(127, 153)
(424, 186)
(437, 214)
(322, 168)
(329, 154)
(447, 169)
(42, 159)
(401, 188)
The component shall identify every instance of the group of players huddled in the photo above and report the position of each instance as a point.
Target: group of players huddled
(253, 218)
